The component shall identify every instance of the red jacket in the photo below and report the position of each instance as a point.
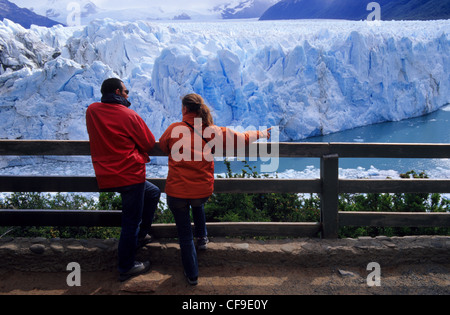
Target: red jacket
(120, 141)
(193, 178)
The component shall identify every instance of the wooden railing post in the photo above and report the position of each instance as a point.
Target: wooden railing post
(329, 174)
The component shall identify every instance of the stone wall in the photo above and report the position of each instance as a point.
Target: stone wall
(40, 254)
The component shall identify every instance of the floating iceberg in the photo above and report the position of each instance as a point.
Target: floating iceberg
(307, 77)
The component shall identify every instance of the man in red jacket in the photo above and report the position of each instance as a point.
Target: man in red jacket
(120, 142)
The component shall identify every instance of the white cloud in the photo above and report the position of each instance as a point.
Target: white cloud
(164, 4)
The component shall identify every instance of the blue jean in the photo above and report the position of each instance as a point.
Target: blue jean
(139, 203)
(180, 209)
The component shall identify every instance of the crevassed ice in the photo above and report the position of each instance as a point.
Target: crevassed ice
(307, 77)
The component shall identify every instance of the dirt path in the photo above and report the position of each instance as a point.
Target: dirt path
(429, 279)
(230, 267)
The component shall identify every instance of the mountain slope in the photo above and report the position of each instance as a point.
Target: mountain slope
(357, 10)
(244, 9)
(153, 10)
(417, 10)
(22, 16)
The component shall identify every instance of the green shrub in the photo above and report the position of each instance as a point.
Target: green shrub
(57, 201)
(269, 207)
(398, 202)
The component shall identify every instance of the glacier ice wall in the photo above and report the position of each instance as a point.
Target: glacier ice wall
(308, 77)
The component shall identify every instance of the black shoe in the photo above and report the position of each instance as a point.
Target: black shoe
(142, 241)
(202, 243)
(139, 268)
(191, 281)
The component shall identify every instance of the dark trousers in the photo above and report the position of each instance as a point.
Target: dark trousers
(139, 203)
(181, 212)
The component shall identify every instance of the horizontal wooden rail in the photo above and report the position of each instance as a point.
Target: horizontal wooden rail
(110, 218)
(39, 217)
(283, 149)
(391, 150)
(235, 185)
(394, 186)
(394, 219)
(89, 184)
(44, 147)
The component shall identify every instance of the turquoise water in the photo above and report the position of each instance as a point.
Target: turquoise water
(432, 128)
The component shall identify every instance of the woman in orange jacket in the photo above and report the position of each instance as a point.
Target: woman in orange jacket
(190, 145)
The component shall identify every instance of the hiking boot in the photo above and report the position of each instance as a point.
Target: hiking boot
(142, 241)
(202, 243)
(191, 281)
(139, 268)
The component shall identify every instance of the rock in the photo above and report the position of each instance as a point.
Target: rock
(288, 248)
(75, 248)
(37, 248)
(389, 244)
(243, 246)
(346, 273)
(57, 248)
(10, 248)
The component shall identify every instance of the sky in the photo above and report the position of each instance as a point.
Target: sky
(165, 9)
(160, 8)
(165, 4)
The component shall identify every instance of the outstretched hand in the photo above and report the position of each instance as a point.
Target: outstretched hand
(267, 133)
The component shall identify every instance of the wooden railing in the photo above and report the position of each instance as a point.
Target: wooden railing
(329, 186)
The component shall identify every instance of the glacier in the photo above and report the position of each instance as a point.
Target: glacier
(308, 77)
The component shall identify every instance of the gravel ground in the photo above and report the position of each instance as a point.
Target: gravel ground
(424, 279)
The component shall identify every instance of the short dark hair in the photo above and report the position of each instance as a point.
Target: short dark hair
(111, 85)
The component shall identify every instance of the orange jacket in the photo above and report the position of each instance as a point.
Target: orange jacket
(120, 141)
(191, 165)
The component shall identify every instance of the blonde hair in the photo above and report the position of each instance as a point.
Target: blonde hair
(194, 103)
